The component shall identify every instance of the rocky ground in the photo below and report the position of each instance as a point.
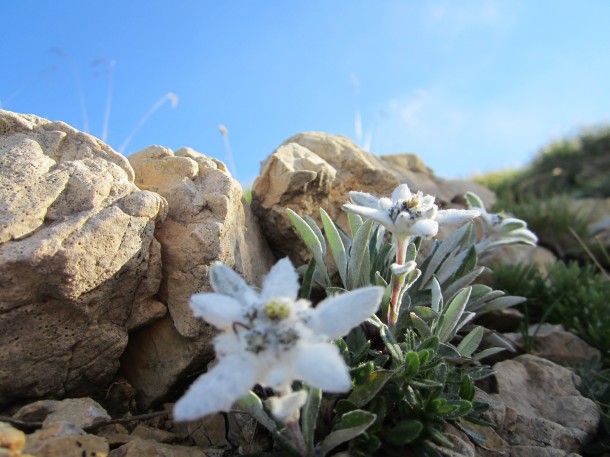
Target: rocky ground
(99, 255)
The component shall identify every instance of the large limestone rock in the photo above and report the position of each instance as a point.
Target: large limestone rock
(78, 262)
(313, 170)
(536, 404)
(207, 221)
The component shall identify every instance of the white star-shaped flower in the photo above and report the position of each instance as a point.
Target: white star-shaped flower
(407, 214)
(499, 229)
(271, 338)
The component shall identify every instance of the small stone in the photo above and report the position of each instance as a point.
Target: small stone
(66, 440)
(11, 439)
(149, 448)
(82, 412)
(146, 432)
(207, 432)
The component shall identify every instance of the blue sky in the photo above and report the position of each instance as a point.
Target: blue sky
(470, 86)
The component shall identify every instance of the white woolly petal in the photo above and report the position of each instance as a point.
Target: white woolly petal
(426, 202)
(225, 281)
(456, 216)
(402, 192)
(287, 407)
(282, 281)
(337, 315)
(219, 310)
(525, 234)
(426, 228)
(217, 389)
(320, 365)
(278, 376)
(378, 215)
(228, 344)
(385, 203)
(403, 224)
(363, 199)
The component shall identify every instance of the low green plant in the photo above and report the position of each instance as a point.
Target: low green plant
(575, 166)
(554, 221)
(577, 296)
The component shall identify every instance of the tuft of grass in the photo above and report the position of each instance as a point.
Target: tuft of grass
(576, 166)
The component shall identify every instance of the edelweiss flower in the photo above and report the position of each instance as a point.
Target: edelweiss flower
(499, 229)
(272, 339)
(407, 214)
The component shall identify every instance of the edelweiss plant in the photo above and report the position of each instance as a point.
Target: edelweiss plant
(391, 381)
(405, 215)
(273, 339)
(499, 229)
(414, 369)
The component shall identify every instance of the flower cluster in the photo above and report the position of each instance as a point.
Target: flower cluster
(406, 214)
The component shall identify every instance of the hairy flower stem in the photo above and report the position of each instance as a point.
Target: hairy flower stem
(294, 428)
(398, 282)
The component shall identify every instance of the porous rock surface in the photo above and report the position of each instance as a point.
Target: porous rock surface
(315, 170)
(77, 259)
(207, 221)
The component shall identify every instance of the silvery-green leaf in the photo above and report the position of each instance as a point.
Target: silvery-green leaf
(363, 393)
(447, 351)
(357, 259)
(357, 344)
(479, 303)
(462, 282)
(389, 341)
(499, 340)
(253, 405)
(467, 316)
(470, 342)
(474, 201)
(478, 291)
(450, 266)
(308, 278)
(350, 426)
(487, 352)
(355, 221)
(312, 241)
(510, 224)
(345, 238)
(501, 303)
(412, 276)
(424, 312)
(379, 281)
(442, 250)
(437, 297)
(420, 325)
(315, 229)
(309, 415)
(411, 252)
(452, 314)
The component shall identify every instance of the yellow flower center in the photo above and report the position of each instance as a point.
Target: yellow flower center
(276, 310)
